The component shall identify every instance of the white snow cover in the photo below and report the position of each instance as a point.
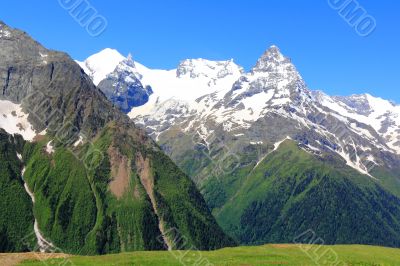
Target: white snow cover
(202, 77)
(192, 79)
(4, 32)
(15, 121)
(201, 90)
(99, 65)
(237, 108)
(378, 114)
(276, 146)
(78, 142)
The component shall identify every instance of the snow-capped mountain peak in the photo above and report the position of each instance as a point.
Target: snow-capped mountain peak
(99, 65)
(273, 61)
(273, 82)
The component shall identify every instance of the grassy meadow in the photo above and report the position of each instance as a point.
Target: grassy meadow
(272, 254)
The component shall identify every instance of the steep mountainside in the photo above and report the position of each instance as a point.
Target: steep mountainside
(97, 183)
(291, 191)
(224, 125)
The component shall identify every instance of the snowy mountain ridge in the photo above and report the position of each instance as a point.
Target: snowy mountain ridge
(204, 97)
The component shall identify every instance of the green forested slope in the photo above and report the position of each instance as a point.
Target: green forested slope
(78, 211)
(16, 218)
(292, 191)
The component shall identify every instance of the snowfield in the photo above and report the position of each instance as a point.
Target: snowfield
(14, 121)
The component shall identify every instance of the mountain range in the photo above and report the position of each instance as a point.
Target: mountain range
(272, 157)
(108, 155)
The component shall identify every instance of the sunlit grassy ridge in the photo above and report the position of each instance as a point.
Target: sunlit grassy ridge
(283, 254)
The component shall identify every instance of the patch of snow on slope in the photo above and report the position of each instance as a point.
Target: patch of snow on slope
(49, 148)
(258, 102)
(4, 33)
(276, 146)
(15, 121)
(354, 163)
(78, 142)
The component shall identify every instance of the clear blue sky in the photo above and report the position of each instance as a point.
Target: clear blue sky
(328, 53)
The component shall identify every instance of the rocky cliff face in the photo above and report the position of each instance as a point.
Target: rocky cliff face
(50, 86)
(123, 87)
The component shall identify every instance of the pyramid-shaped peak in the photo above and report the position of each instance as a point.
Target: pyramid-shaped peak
(273, 52)
(272, 60)
(129, 61)
(273, 49)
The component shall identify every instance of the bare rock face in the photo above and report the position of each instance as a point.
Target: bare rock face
(51, 87)
(123, 87)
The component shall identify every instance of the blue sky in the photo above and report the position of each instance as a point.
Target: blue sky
(329, 53)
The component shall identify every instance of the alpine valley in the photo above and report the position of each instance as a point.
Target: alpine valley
(272, 158)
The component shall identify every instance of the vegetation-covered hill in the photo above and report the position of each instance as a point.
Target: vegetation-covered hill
(292, 191)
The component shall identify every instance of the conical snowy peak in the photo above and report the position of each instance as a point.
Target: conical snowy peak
(99, 65)
(274, 82)
(273, 61)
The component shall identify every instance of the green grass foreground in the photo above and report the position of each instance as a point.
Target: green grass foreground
(282, 254)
